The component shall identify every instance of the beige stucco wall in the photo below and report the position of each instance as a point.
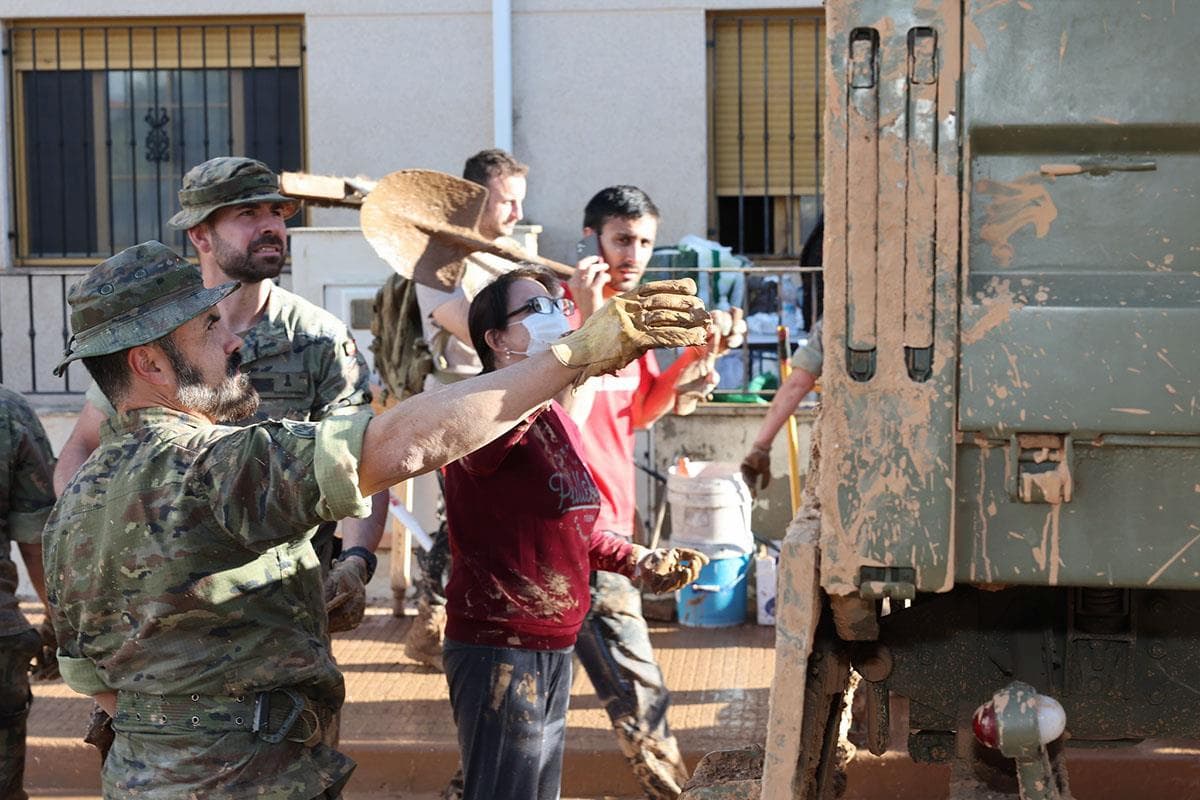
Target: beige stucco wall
(605, 91)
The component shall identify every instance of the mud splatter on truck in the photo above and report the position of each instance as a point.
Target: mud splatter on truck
(1009, 434)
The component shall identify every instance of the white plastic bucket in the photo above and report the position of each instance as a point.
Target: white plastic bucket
(710, 508)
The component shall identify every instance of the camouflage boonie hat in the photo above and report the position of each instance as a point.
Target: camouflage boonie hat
(227, 181)
(139, 295)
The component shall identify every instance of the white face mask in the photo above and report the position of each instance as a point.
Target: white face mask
(544, 330)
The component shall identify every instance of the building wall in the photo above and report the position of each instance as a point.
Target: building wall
(605, 91)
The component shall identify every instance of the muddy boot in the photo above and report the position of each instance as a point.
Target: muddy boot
(423, 643)
(656, 763)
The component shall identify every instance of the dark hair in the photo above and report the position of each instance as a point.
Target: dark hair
(489, 309)
(626, 202)
(493, 163)
(813, 255)
(111, 374)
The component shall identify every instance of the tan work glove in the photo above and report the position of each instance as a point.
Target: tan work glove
(45, 661)
(665, 570)
(346, 594)
(698, 379)
(756, 468)
(656, 314)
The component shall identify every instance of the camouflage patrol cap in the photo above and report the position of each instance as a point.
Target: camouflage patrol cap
(227, 181)
(139, 295)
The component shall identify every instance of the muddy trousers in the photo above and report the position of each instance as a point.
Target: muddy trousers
(614, 648)
(510, 706)
(15, 654)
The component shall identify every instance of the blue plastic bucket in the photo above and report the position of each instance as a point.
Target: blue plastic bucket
(718, 597)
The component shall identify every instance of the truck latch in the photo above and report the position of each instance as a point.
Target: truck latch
(1040, 468)
(896, 583)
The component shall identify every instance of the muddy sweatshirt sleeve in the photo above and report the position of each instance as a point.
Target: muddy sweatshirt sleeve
(611, 553)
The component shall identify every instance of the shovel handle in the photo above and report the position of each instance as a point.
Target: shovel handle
(506, 250)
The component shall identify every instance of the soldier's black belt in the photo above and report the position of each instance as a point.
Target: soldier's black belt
(271, 716)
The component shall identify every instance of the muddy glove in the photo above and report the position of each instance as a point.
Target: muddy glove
(698, 379)
(100, 731)
(665, 570)
(756, 469)
(45, 661)
(657, 314)
(346, 592)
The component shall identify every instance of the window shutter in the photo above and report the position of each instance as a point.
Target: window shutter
(792, 49)
(181, 44)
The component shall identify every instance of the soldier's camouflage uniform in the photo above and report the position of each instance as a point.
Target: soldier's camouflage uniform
(26, 496)
(302, 359)
(178, 564)
(181, 574)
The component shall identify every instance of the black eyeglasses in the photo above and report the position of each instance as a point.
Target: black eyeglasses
(544, 305)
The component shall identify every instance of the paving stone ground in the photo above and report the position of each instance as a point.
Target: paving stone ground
(398, 727)
(397, 721)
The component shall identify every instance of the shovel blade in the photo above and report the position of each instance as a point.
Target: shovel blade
(423, 223)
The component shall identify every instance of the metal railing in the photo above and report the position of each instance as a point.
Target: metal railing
(108, 117)
(34, 329)
(770, 296)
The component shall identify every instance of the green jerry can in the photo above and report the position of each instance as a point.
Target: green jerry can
(1005, 530)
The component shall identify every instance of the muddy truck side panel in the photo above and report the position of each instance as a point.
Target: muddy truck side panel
(1013, 278)
(1009, 436)
(893, 215)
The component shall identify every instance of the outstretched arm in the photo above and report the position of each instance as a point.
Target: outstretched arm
(649, 407)
(435, 428)
(431, 429)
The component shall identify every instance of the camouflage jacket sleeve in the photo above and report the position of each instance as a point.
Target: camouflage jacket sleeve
(275, 481)
(30, 471)
(343, 380)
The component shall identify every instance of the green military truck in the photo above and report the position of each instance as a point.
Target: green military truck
(1006, 526)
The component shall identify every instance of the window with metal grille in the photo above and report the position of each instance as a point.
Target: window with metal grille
(109, 115)
(766, 103)
(766, 106)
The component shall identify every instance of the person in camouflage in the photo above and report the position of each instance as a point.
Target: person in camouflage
(183, 586)
(301, 359)
(26, 497)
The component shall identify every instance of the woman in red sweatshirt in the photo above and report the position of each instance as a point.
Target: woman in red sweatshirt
(521, 513)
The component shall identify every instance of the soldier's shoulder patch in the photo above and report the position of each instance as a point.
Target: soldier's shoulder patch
(305, 430)
(349, 348)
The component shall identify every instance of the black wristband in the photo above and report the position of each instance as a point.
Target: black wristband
(366, 555)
